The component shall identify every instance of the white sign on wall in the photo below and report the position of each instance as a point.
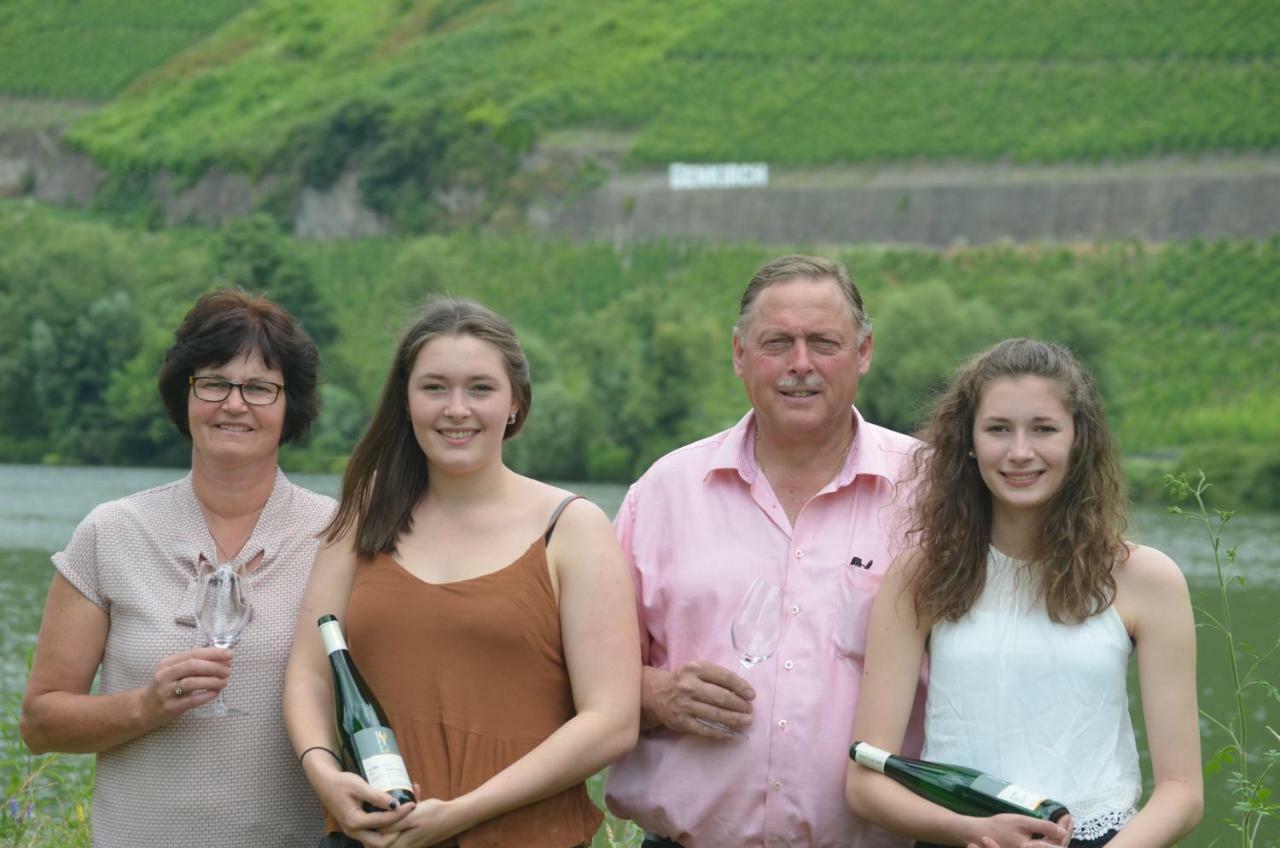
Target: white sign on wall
(681, 175)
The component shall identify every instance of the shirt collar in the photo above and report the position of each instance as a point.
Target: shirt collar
(198, 542)
(735, 452)
(866, 454)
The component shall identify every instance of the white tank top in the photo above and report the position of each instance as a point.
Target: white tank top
(1036, 703)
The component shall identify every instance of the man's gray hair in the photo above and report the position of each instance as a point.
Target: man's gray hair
(787, 268)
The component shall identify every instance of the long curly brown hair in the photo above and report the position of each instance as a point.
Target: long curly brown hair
(1080, 537)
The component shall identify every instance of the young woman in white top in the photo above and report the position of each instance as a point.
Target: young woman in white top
(1021, 589)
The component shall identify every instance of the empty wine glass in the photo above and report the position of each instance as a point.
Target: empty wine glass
(222, 610)
(754, 632)
(757, 625)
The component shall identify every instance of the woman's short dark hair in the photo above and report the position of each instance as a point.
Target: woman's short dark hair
(226, 323)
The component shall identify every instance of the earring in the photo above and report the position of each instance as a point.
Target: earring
(512, 419)
(972, 455)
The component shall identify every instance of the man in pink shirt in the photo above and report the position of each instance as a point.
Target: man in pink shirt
(802, 493)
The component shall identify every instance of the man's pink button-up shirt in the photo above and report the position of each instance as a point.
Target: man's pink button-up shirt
(697, 528)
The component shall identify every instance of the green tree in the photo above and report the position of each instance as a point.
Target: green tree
(649, 360)
(68, 321)
(253, 254)
(921, 332)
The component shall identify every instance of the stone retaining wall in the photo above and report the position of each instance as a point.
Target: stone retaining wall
(1157, 200)
(1161, 201)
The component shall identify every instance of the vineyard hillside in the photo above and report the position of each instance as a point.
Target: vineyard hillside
(801, 83)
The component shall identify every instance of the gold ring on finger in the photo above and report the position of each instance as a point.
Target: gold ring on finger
(178, 691)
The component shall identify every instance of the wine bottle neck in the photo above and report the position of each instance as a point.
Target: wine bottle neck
(331, 634)
(870, 756)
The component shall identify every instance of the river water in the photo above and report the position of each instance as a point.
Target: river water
(40, 506)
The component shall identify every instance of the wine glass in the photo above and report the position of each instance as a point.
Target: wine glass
(754, 633)
(222, 610)
(757, 625)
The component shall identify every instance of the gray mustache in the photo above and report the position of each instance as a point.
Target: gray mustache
(809, 382)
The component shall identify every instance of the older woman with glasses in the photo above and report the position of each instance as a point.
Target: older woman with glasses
(239, 380)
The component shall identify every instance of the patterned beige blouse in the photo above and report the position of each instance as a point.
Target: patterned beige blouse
(229, 781)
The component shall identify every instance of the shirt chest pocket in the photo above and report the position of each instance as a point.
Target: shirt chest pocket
(858, 589)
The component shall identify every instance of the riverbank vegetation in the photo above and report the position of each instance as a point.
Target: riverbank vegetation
(1246, 754)
(630, 345)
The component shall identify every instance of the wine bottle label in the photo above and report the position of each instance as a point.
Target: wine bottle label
(1021, 797)
(1008, 792)
(331, 633)
(870, 756)
(380, 759)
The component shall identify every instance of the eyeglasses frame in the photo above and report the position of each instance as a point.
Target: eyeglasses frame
(232, 384)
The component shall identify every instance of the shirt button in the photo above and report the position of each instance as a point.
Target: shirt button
(782, 723)
(777, 786)
(788, 665)
(794, 609)
(799, 554)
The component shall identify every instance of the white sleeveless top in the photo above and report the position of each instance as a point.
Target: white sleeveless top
(1037, 703)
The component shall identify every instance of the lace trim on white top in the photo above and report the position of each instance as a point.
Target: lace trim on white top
(1100, 815)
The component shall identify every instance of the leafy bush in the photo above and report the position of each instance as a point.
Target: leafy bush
(1247, 474)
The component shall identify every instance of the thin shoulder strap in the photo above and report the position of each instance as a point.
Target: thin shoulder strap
(555, 516)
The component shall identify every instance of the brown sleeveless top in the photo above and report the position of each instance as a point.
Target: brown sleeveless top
(472, 677)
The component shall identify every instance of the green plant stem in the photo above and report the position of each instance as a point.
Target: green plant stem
(1239, 738)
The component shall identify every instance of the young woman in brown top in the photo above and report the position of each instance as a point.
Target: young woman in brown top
(504, 653)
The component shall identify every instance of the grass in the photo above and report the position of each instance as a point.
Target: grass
(46, 799)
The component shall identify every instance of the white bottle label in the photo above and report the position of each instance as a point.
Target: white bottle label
(870, 756)
(1021, 797)
(331, 633)
(380, 758)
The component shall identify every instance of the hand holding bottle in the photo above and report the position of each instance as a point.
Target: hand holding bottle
(1010, 830)
(431, 821)
(344, 795)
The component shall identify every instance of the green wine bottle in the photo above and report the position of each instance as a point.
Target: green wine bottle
(962, 790)
(368, 744)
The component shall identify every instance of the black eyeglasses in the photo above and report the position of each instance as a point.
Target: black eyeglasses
(218, 389)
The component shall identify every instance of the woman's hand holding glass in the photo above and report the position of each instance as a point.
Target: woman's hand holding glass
(185, 681)
(222, 611)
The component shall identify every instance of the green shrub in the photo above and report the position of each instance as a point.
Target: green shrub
(1247, 474)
